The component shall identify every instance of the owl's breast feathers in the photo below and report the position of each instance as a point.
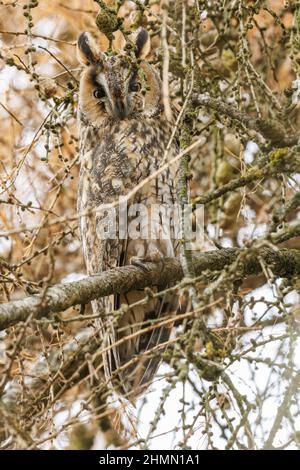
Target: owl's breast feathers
(127, 151)
(114, 159)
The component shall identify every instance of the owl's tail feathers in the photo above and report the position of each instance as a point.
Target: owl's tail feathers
(118, 423)
(132, 351)
(145, 331)
(133, 346)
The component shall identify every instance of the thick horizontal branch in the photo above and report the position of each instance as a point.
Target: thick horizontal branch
(269, 129)
(284, 263)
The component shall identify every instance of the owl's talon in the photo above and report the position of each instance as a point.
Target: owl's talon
(140, 261)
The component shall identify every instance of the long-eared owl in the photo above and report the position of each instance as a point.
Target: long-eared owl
(123, 138)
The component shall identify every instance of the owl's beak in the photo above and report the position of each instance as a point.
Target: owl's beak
(120, 109)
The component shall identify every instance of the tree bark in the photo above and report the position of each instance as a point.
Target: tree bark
(284, 263)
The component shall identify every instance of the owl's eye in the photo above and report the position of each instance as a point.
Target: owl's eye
(99, 93)
(134, 86)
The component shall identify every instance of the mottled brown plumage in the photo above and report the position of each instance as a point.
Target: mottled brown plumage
(124, 134)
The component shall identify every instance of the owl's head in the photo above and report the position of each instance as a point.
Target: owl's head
(119, 86)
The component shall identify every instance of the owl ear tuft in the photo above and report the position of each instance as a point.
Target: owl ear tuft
(142, 43)
(87, 51)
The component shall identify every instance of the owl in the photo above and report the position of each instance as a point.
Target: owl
(123, 138)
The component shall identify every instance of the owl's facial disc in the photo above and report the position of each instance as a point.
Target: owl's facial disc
(111, 97)
(110, 85)
(115, 92)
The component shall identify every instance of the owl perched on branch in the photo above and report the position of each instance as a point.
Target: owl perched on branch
(124, 135)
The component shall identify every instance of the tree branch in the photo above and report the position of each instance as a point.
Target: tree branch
(269, 129)
(254, 174)
(284, 263)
